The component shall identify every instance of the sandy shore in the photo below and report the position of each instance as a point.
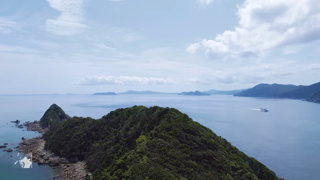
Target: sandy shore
(34, 148)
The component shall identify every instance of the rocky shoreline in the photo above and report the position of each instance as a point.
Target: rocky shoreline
(34, 148)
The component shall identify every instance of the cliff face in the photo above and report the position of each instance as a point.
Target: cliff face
(151, 143)
(53, 115)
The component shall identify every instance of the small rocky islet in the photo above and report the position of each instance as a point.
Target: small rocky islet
(137, 143)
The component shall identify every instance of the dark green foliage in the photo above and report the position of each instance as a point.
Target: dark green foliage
(314, 98)
(53, 115)
(266, 90)
(152, 143)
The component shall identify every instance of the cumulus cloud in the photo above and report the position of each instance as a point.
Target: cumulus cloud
(124, 80)
(70, 21)
(265, 25)
(192, 48)
(6, 26)
(204, 2)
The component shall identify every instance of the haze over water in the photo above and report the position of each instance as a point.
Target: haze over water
(286, 139)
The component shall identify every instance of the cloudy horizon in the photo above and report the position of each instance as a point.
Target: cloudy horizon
(85, 46)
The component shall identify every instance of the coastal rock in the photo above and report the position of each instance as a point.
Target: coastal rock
(56, 177)
(64, 161)
(8, 150)
(46, 158)
(54, 162)
(3, 146)
(41, 155)
(16, 121)
(41, 162)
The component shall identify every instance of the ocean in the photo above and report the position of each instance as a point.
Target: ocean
(286, 139)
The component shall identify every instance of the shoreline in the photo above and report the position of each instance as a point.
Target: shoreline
(34, 149)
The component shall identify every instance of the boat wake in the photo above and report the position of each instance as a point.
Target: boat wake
(254, 109)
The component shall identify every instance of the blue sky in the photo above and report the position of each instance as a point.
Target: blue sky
(87, 46)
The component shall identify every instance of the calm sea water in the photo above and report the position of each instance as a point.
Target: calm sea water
(286, 139)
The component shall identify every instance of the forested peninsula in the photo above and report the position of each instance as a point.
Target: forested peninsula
(149, 143)
(309, 93)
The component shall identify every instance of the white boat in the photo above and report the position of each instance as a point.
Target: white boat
(264, 110)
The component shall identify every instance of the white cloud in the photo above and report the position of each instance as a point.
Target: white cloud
(265, 25)
(124, 80)
(105, 47)
(17, 49)
(255, 74)
(70, 21)
(192, 48)
(204, 2)
(6, 26)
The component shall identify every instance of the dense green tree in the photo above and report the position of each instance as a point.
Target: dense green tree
(53, 115)
(152, 143)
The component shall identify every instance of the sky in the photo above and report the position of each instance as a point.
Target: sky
(88, 46)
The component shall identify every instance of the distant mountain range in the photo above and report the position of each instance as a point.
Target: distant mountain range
(141, 92)
(232, 92)
(303, 92)
(281, 91)
(105, 93)
(194, 93)
(267, 90)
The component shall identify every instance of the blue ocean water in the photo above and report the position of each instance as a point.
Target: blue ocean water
(286, 139)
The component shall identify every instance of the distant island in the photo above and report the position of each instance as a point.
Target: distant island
(194, 93)
(231, 92)
(142, 143)
(141, 92)
(105, 93)
(282, 91)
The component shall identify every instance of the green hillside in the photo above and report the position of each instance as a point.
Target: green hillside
(266, 90)
(152, 143)
(53, 115)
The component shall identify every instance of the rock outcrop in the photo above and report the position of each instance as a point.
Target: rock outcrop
(53, 115)
(8, 150)
(16, 121)
(69, 170)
